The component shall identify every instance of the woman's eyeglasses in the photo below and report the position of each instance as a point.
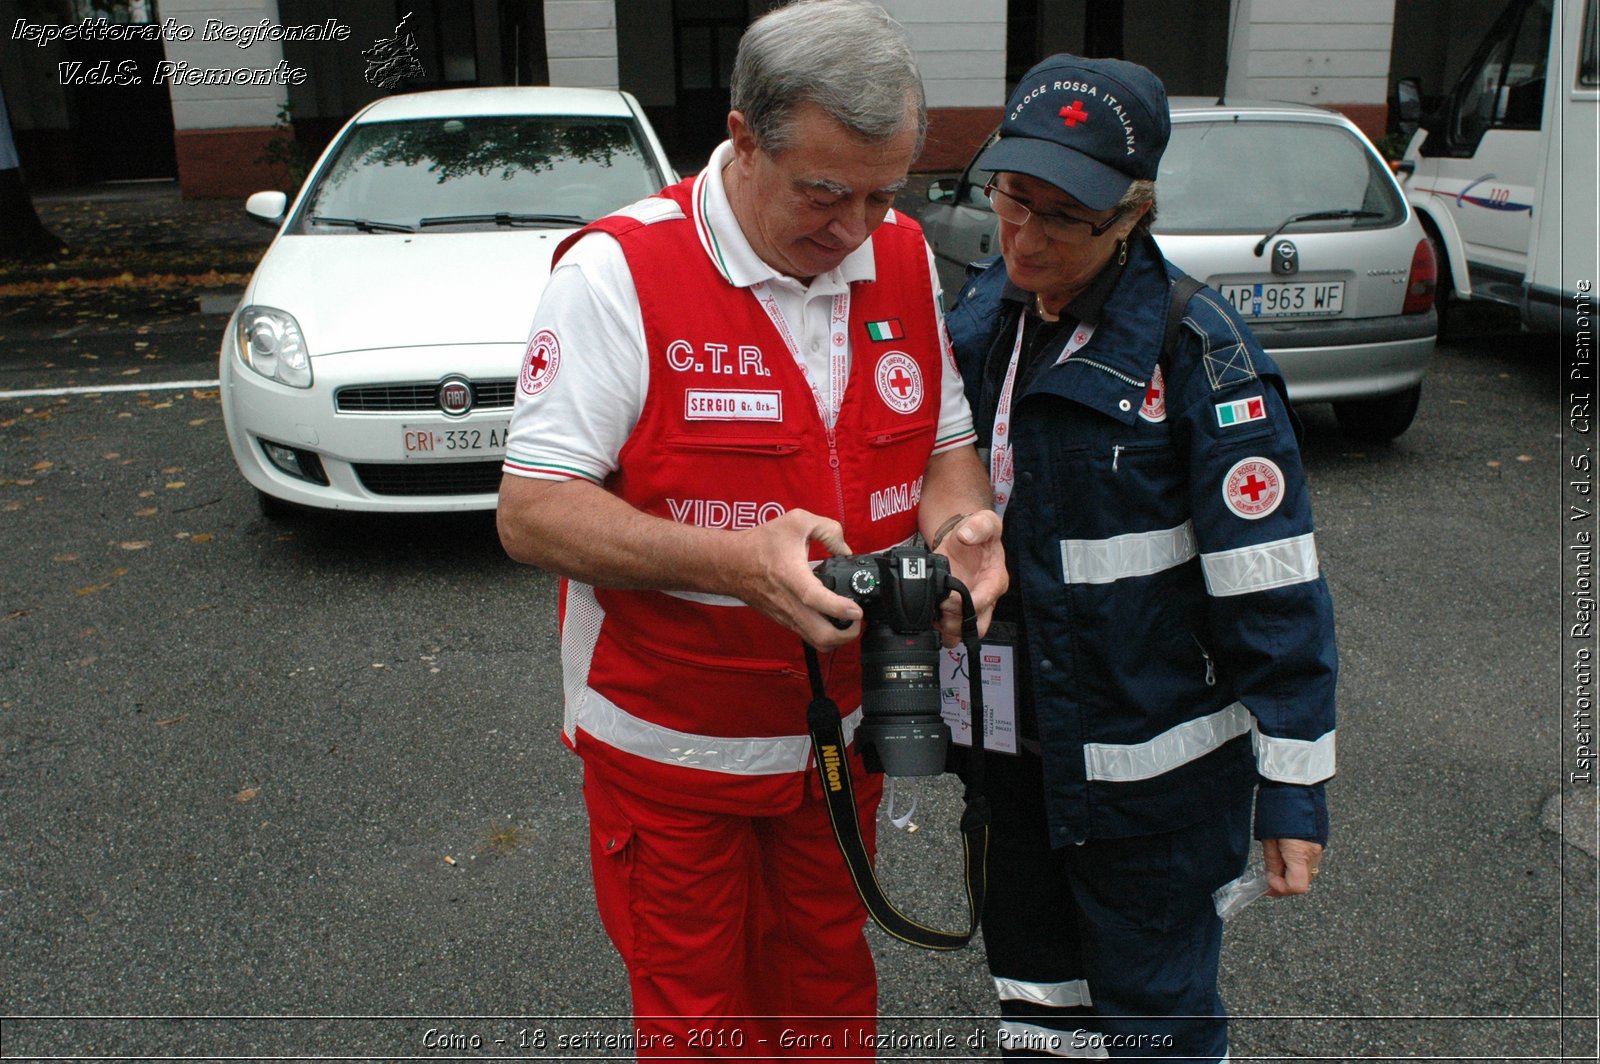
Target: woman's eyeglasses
(1054, 226)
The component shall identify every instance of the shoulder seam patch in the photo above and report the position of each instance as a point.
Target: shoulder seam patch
(1233, 365)
(652, 210)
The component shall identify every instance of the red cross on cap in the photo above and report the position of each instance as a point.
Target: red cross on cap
(1074, 114)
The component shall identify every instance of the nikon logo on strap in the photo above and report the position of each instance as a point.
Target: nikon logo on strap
(831, 760)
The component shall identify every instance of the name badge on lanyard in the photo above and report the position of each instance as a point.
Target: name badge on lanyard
(1002, 463)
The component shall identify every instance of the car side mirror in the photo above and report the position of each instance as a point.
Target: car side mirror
(1408, 105)
(267, 208)
(942, 190)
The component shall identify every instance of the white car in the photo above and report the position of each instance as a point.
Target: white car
(1291, 215)
(373, 359)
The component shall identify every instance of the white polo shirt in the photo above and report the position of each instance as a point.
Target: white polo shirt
(577, 424)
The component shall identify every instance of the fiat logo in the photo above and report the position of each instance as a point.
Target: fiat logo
(455, 396)
(1285, 258)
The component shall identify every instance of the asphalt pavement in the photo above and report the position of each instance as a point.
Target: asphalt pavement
(293, 790)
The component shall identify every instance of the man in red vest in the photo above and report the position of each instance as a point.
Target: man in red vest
(724, 384)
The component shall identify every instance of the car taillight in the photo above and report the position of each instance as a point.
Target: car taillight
(1423, 279)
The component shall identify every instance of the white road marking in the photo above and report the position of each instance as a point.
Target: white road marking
(160, 386)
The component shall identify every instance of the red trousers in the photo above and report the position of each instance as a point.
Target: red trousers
(743, 935)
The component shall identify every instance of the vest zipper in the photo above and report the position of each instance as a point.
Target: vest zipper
(838, 478)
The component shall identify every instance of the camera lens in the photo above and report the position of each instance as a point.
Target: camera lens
(900, 701)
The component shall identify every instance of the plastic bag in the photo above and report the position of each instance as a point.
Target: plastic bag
(1231, 897)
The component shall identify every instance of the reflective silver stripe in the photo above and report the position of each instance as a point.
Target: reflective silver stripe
(1104, 561)
(1031, 1038)
(1294, 760)
(742, 756)
(1301, 761)
(1261, 567)
(1069, 995)
(1124, 763)
(706, 599)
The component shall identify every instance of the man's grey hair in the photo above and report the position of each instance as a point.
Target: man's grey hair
(847, 57)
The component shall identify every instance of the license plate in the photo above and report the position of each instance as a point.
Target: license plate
(1280, 299)
(478, 440)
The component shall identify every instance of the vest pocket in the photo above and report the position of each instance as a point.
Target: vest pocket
(771, 446)
(895, 435)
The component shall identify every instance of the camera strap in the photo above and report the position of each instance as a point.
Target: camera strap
(828, 750)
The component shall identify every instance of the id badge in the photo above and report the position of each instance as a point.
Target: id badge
(998, 672)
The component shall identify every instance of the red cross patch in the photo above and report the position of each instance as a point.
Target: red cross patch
(1253, 488)
(1071, 116)
(899, 380)
(540, 363)
(1155, 399)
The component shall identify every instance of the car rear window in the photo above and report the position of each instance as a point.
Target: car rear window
(1250, 176)
(402, 172)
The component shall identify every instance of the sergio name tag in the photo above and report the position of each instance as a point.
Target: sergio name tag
(715, 404)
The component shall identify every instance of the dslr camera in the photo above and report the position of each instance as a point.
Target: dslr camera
(902, 732)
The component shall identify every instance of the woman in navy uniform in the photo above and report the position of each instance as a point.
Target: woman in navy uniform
(1174, 633)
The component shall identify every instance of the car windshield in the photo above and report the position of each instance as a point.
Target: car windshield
(1254, 176)
(501, 171)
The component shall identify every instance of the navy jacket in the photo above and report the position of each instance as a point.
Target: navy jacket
(1176, 641)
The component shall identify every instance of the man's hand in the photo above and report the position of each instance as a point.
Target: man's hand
(580, 530)
(774, 575)
(1291, 865)
(979, 562)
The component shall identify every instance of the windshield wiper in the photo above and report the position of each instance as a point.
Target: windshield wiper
(503, 218)
(1314, 216)
(363, 224)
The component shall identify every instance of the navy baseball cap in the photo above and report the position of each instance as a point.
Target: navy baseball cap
(1090, 127)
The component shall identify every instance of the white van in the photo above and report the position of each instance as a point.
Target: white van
(1504, 178)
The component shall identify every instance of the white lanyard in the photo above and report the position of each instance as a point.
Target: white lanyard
(1002, 464)
(838, 349)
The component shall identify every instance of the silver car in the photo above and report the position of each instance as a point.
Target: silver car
(1290, 213)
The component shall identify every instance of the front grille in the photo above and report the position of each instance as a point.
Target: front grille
(429, 478)
(421, 396)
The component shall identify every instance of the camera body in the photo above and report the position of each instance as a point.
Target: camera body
(902, 732)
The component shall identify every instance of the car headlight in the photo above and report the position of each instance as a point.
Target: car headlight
(270, 342)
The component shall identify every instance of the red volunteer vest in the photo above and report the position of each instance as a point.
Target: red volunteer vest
(730, 437)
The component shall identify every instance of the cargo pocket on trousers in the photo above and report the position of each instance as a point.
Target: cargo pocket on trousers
(611, 854)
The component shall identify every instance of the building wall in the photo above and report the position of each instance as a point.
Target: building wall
(222, 131)
(1341, 55)
(1310, 51)
(581, 40)
(961, 50)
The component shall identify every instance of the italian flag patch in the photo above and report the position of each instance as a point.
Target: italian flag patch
(886, 330)
(1241, 411)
